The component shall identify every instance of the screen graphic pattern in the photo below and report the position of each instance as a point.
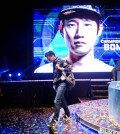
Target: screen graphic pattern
(46, 35)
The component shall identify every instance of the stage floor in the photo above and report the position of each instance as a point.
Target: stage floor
(92, 115)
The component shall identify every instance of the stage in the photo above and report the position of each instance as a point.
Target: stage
(92, 115)
(35, 92)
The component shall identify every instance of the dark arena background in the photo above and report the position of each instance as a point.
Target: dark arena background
(27, 30)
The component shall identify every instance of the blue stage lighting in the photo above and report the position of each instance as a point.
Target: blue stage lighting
(19, 74)
(10, 75)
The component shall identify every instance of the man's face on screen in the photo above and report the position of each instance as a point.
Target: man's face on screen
(80, 35)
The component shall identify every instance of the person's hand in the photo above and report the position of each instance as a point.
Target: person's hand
(54, 87)
(57, 65)
(60, 68)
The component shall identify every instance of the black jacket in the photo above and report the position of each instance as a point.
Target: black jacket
(58, 73)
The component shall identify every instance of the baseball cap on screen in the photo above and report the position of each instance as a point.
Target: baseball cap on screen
(79, 10)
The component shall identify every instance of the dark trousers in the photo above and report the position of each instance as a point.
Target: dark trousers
(60, 101)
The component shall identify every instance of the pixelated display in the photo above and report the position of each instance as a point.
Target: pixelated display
(46, 35)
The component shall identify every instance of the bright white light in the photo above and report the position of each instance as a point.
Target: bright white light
(19, 74)
(10, 75)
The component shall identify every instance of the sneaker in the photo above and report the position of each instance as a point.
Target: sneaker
(52, 123)
(68, 120)
(65, 118)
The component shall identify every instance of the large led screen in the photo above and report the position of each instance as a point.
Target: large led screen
(47, 36)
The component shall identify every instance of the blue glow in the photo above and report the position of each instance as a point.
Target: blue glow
(19, 74)
(10, 75)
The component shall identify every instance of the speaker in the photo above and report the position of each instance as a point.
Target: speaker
(114, 101)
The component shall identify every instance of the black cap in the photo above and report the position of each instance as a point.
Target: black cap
(79, 10)
(49, 53)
